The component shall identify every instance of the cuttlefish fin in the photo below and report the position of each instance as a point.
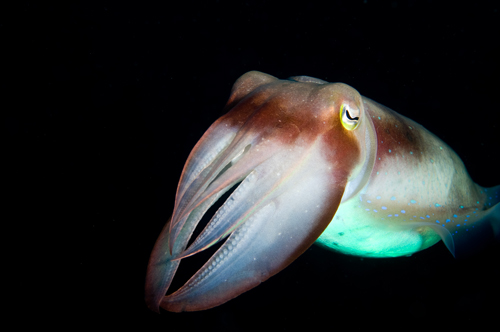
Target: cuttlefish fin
(479, 233)
(467, 233)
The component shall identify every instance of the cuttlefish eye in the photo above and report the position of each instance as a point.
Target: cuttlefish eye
(349, 116)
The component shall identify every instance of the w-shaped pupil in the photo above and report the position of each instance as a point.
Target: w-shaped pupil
(349, 116)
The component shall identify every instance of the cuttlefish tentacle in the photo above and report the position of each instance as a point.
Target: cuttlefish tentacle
(311, 161)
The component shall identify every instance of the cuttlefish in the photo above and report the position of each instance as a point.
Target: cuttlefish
(310, 161)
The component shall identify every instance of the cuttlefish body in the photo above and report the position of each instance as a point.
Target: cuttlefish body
(311, 161)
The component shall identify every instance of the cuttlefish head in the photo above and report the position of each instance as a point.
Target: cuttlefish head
(291, 151)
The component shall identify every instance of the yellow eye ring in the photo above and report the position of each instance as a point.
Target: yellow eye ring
(349, 117)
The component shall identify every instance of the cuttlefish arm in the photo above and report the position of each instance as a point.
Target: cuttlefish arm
(300, 153)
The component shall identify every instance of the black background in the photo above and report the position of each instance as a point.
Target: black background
(103, 102)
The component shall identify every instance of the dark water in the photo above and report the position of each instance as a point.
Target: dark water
(111, 98)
